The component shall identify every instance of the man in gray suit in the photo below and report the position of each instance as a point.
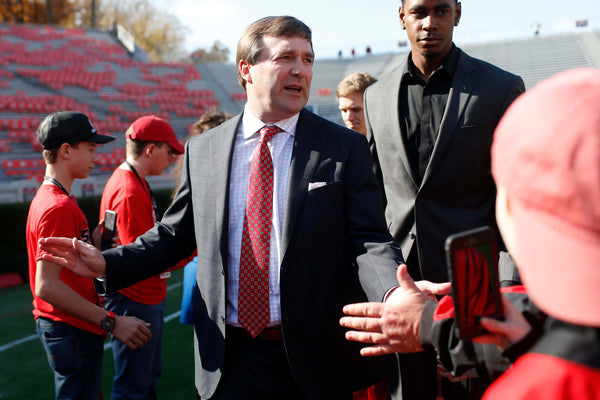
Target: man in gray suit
(329, 245)
(430, 123)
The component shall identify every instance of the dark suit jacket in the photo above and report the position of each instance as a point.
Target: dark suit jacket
(335, 250)
(457, 191)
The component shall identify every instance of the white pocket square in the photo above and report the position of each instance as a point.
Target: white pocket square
(315, 185)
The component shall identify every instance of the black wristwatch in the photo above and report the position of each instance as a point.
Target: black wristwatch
(108, 323)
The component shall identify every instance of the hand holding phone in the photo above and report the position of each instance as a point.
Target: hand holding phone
(108, 231)
(472, 258)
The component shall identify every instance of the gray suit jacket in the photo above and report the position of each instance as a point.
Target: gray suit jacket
(457, 191)
(335, 250)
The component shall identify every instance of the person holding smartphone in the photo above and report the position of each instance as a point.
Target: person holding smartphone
(548, 211)
(151, 148)
(70, 322)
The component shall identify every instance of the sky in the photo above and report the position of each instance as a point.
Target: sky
(346, 24)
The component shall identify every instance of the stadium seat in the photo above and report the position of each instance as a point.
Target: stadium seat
(4, 146)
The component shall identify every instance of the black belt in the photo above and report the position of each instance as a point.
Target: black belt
(272, 333)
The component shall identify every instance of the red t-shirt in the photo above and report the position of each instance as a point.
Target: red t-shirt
(53, 213)
(543, 376)
(132, 202)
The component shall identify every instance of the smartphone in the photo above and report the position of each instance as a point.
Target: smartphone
(108, 231)
(472, 258)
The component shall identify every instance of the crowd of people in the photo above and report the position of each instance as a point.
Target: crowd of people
(315, 252)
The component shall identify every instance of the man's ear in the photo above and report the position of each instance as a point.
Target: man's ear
(458, 13)
(64, 150)
(506, 221)
(401, 17)
(244, 68)
(502, 200)
(149, 149)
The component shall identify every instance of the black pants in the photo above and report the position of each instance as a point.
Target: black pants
(418, 375)
(258, 369)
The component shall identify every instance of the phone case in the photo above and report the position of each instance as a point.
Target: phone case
(472, 258)
(108, 231)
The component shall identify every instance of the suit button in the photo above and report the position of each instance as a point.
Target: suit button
(412, 236)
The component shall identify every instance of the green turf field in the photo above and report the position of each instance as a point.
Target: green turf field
(24, 370)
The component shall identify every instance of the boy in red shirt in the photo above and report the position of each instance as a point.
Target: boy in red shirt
(69, 321)
(546, 163)
(151, 147)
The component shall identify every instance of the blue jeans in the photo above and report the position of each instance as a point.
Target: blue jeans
(75, 356)
(137, 371)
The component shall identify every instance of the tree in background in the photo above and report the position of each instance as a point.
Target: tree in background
(217, 53)
(35, 11)
(159, 34)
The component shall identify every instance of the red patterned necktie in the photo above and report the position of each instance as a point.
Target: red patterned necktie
(253, 306)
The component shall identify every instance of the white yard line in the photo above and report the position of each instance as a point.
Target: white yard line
(107, 346)
(10, 345)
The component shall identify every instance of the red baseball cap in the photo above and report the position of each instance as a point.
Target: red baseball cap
(546, 154)
(153, 129)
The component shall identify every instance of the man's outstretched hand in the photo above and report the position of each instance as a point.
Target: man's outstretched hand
(76, 255)
(393, 326)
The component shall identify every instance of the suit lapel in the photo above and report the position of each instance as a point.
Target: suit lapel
(460, 92)
(308, 143)
(392, 108)
(221, 153)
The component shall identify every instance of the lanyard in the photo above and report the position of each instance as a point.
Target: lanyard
(85, 235)
(147, 189)
(61, 187)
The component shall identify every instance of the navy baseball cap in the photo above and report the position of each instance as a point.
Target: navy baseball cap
(68, 127)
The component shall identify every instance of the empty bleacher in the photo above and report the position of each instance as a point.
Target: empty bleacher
(537, 58)
(534, 59)
(44, 69)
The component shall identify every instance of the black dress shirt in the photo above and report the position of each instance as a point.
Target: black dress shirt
(422, 106)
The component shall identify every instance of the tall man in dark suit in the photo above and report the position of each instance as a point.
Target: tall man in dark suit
(327, 242)
(430, 123)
